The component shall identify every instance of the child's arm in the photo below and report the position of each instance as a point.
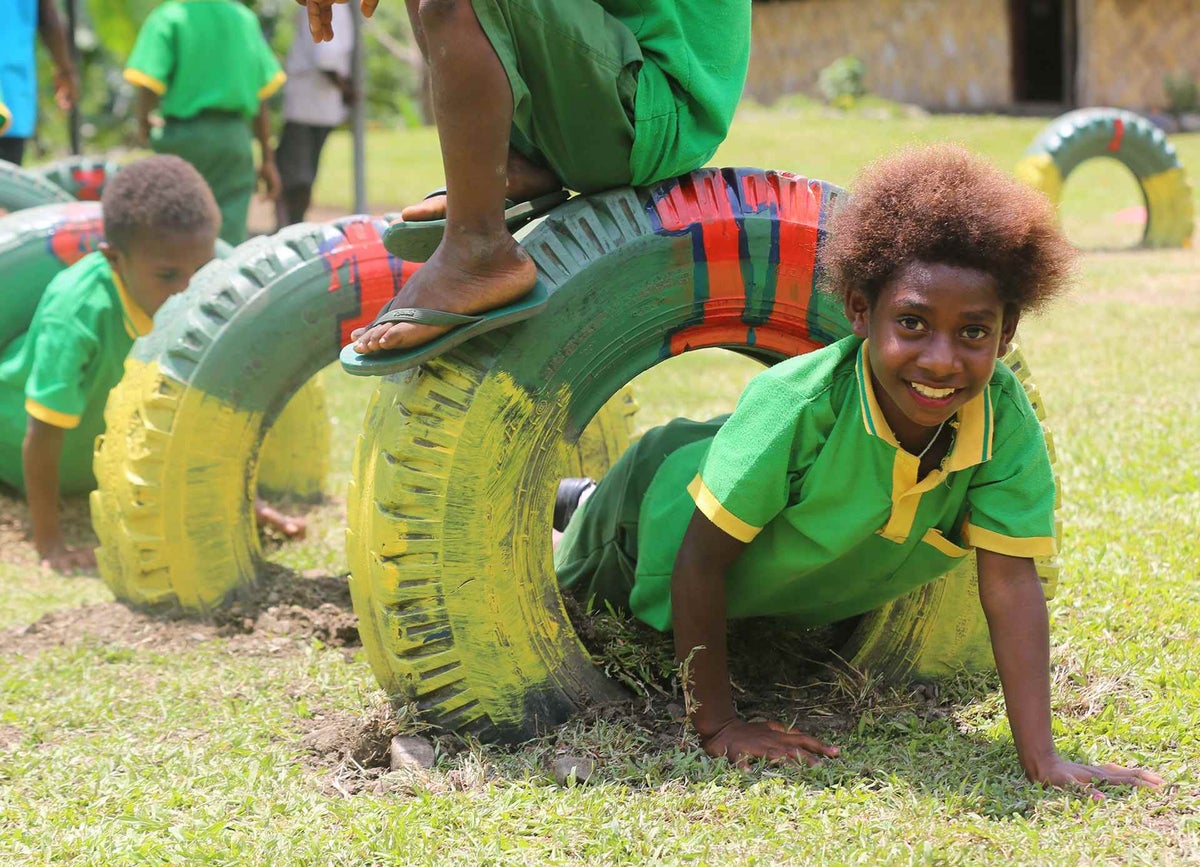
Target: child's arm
(55, 39)
(40, 453)
(698, 610)
(147, 101)
(1016, 614)
(268, 173)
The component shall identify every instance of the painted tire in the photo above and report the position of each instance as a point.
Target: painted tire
(35, 244)
(455, 472)
(83, 177)
(21, 189)
(1137, 144)
(186, 426)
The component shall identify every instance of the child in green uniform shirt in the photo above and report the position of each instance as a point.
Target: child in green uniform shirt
(847, 477)
(160, 225)
(534, 96)
(207, 67)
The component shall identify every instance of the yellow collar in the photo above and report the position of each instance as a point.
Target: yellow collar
(137, 321)
(972, 442)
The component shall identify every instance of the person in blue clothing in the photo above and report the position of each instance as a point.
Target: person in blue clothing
(18, 70)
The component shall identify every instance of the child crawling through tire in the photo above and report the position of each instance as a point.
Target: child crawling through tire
(160, 223)
(847, 477)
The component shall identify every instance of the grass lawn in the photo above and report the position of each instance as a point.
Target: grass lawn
(258, 738)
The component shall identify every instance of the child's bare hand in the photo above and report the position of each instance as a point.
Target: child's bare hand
(320, 16)
(741, 741)
(269, 181)
(1068, 775)
(63, 558)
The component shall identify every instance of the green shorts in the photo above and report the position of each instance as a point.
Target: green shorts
(596, 559)
(574, 71)
(221, 148)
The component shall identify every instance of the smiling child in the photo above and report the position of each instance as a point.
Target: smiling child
(850, 476)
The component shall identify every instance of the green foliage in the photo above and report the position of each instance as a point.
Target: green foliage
(1182, 92)
(842, 82)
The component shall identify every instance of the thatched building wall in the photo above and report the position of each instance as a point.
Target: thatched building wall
(943, 54)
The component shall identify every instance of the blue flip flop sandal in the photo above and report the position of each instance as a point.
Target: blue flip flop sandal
(463, 328)
(416, 241)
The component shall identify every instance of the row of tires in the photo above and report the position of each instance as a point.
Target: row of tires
(457, 464)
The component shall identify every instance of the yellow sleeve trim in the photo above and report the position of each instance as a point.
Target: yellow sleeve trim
(51, 416)
(5, 118)
(707, 503)
(1034, 546)
(140, 79)
(273, 85)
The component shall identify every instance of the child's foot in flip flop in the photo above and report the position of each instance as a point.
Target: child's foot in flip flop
(526, 181)
(471, 275)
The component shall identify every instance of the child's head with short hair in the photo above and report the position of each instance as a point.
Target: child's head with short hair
(160, 225)
(936, 255)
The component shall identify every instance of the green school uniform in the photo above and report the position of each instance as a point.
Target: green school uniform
(615, 92)
(807, 472)
(211, 67)
(61, 370)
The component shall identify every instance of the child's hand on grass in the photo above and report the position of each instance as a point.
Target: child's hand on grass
(741, 742)
(1069, 775)
(65, 559)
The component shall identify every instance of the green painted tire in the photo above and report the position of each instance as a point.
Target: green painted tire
(456, 468)
(35, 244)
(21, 188)
(83, 177)
(1136, 143)
(186, 426)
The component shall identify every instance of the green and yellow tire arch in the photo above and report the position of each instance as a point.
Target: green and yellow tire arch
(186, 426)
(456, 469)
(1136, 143)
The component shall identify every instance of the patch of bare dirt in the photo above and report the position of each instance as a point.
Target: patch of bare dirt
(15, 541)
(283, 611)
(10, 738)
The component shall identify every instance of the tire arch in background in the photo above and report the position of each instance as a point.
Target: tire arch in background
(1136, 143)
(186, 426)
(83, 177)
(21, 189)
(449, 539)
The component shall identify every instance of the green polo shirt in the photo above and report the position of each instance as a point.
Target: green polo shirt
(61, 370)
(202, 55)
(808, 473)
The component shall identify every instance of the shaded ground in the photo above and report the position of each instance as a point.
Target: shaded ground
(283, 610)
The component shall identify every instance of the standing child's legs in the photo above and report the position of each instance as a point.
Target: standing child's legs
(556, 82)
(478, 265)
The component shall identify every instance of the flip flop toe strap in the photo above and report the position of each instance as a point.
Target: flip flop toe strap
(424, 316)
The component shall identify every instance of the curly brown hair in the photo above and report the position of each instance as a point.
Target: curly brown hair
(157, 194)
(943, 204)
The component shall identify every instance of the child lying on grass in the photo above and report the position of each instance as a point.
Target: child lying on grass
(850, 476)
(160, 223)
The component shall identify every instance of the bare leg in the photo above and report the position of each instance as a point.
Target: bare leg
(290, 526)
(478, 266)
